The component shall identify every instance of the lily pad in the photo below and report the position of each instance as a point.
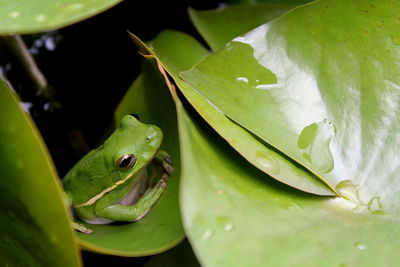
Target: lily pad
(161, 229)
(320, 84)
(35, 227)
(221, 25)
(177, 52)
(234, 216)
(31, 16)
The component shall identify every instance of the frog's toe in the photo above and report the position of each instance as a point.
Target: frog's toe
(168, 159)
(163, 181)
(168, 168)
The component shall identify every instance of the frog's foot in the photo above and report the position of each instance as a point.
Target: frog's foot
(81, 228)
(165, 161)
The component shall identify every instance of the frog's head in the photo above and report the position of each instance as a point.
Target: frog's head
(129, 149)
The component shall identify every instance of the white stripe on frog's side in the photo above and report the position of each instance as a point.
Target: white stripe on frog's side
(102, 193)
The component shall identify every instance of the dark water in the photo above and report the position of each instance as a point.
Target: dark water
(90, 65)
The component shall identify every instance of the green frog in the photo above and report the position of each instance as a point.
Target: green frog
(121, 179)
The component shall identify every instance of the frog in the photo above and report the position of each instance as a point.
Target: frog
(122, 179)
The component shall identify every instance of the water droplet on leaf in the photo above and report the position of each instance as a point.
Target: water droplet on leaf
(14, 14)
(242, 79)
(228, 227)
(375, 206)
(360, 246)
(349, 191)
(314, 141)
(207, 235)
(267, 162)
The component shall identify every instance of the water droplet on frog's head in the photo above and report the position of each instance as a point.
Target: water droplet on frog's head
(267, 162)
(360, 246)
(314, 141)
(207, 235)
(375, 206)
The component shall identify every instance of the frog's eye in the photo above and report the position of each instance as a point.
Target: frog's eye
(126, 161)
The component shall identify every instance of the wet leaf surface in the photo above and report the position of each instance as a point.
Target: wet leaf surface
(178, 52)
(321, 89)
(234, 217)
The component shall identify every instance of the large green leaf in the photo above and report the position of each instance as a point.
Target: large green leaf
(161, 229)
(177, 52)
(234, 217)
(322, 85)
(219, 26)
(35, 228)
(30, 16)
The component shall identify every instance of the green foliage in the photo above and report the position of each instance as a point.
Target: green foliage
(35, 228)
(288, 142)
(320, 96)
(169, 47)
(31, 16)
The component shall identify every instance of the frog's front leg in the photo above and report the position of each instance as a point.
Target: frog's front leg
(138, 210)
(165, 161)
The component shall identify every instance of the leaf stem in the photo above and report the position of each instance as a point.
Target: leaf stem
(18, 47)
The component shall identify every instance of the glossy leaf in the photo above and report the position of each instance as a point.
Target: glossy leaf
(221, 25)
(233, 216)
(31, 16)
(161, 229)
(35, 228)
(178, 52)
(320, 84)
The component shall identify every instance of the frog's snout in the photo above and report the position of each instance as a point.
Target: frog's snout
(154, 136)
